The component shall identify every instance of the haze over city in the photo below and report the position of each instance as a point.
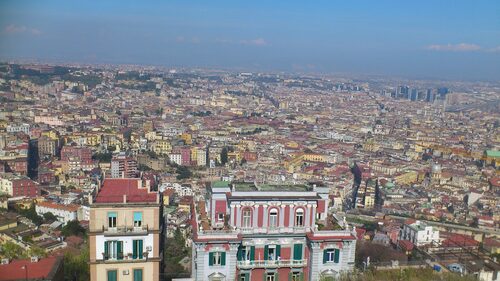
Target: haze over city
(417, 39)
(250, 140)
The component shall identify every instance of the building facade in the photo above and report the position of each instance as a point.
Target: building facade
(266, 232)
(123, 166)
(18, 186)
(126, 232)
(419, 233)
(64, 213)
(47, 147)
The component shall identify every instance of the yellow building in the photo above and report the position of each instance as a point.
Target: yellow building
(313, 157)
(369, 200)
(162, 147)
(125, 231)
(93, 139)
(186, 138)
(234, 155)
(51, 134)
(406, 178)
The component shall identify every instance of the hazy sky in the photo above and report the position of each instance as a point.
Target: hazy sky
(457, 39)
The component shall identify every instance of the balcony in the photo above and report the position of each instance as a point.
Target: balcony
(275, 230)
(125, 230)
(120, 257)
(271, 264)
(218, 234)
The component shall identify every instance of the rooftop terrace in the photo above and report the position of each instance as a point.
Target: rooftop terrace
(124, 191)
(247, 186)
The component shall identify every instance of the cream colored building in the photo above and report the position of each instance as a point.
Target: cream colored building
(126, 230)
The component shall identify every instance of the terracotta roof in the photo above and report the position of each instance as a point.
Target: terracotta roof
(491, 242)
(406, 245)
(459, 240)
(43, 269)
(169, 192)
(52, 205)
(113, 190)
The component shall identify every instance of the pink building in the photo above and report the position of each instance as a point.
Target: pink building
(268, 232)
(186, 156)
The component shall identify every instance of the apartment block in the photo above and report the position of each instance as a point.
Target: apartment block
(123, 166)
(419, 233)
(126, 232)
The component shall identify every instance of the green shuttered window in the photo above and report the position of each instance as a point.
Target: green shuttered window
(113, 250)
(217, 258)
(137, 274)
(112, 275)
(297, 251)
(137, 249)
(331, 255)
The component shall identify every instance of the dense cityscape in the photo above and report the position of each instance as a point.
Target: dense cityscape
(124, 172)
(249, 140)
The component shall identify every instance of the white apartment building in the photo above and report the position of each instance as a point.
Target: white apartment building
(64, 213)
(419, 233)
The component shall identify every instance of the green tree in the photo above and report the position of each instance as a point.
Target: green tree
(76, 266)
(143, 167)
(11, 250)
(49, 217)
(223, 156)
(183, 172)
(103, 157)
(175, 251)
(73, 228)
(37, 251)
(31, 214)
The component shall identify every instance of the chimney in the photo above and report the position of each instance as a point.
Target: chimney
(124, 198)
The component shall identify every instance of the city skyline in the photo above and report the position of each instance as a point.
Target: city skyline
(447, 40)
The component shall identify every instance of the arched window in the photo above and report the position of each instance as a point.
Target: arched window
(299, 217)
(273, 218)
(247, 218)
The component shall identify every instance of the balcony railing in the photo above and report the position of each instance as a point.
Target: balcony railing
(119, 230)
(271, 263)
(274, 230)
(120, 257)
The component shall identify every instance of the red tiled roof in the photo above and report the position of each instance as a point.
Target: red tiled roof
(52, 205)
(406, 245)
(457, 240)
(15, 270)
(112, 191)
(495, 181)
(169, 192)
(491, 242)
